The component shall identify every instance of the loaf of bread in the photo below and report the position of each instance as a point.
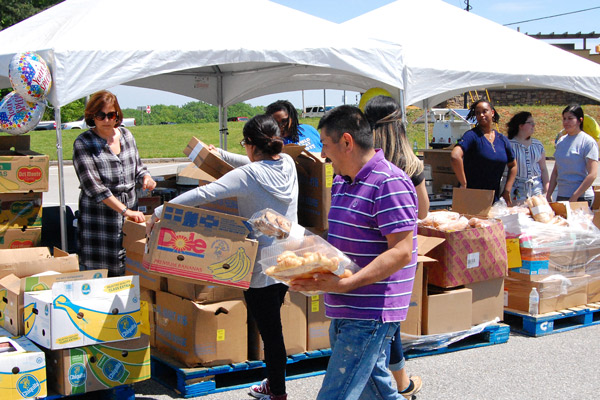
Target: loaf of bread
(291, 266)
(540, 208)
(273, 224)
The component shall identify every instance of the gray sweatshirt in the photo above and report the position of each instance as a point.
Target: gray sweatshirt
(257, 185)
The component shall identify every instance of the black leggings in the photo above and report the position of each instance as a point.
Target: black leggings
(264, 305)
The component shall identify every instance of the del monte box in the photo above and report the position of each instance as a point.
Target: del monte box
(197, 244)
(22, 170)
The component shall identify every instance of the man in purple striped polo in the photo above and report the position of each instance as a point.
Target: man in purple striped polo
(372, 220)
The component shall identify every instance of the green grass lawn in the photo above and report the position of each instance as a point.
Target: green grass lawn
(168, 141)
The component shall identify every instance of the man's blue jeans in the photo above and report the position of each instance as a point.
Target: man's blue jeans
(357, 366)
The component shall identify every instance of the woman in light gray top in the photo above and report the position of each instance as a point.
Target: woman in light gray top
(264, 178)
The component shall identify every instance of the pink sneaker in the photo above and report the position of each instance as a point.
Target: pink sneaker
(261, 391)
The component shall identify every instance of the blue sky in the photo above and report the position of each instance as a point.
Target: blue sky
(502, 12)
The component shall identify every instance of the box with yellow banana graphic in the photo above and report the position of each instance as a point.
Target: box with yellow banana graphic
(99, 367)
(81, 313)
(202, 245)
(22, 170)
(22, 368)
(13, 287)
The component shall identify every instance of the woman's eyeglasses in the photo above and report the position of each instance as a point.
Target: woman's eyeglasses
(243, 143)
(530, 123)
(101, 115)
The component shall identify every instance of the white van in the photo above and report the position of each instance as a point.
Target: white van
(315, 111)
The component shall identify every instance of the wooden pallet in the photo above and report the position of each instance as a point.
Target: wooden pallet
(192, 382)
(124, 392)
(553, 322)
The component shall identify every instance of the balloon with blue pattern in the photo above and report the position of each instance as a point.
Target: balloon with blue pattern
(29, 76)
(18, 116)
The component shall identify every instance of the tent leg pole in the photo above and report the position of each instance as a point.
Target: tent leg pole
(426, 104)
(61, 183)
(403, 108)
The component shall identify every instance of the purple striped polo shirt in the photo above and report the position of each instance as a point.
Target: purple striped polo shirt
(381, 200)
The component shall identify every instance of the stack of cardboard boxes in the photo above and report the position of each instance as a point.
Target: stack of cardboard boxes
(73, 315)
(464, 285)
(562, 263)
(23, 178)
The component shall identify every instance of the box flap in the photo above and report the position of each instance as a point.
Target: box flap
(209, 160)
(294, 150)
(428, 243)
(472, 201)
(193, 172)
(10, 282)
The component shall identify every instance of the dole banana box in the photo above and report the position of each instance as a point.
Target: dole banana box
(22, 170)
(13, 287)
(98, 367)
(22, 368)
(201, 245)
(81, 313)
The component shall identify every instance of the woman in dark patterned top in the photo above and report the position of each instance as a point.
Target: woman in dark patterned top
(108, 166)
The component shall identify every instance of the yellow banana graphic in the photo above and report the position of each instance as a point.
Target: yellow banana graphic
(9, 185)
(3, 303)
(29, 317)
(233, 268)
(100, 326)
(39, 286)
(113, 371)
(133, 356)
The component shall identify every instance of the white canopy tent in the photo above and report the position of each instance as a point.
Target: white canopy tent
(448, 51)
(218, 51)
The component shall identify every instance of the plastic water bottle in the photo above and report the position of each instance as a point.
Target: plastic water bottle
(534, 302)
(415, 147)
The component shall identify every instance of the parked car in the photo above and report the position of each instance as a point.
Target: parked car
(238, 119)
(45, 126)
(80, 124)
(315, 111)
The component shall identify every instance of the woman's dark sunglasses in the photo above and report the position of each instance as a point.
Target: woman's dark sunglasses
(111, 115)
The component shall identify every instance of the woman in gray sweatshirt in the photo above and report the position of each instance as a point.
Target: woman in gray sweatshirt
(264, 178)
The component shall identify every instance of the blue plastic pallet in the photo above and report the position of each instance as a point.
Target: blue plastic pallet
(124, 392)
(492, 334)
(192, 382)
(553, 322)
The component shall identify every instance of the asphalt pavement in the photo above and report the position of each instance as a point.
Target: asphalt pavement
(563, 365)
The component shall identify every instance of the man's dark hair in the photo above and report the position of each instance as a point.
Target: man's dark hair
(348, 119)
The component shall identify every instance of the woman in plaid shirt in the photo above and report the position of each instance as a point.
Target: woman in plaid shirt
(108, 166)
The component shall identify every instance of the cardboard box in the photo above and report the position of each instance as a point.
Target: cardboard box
(441, 179)
(13, 287)
(412, 324)
(203, 293)
(134, 265)
(227, 206)
(317, 334)
(20, 238)
(22, 370)
(488, 300)
(147, 205)
(25, 262)
(439, 159)
(315, 177)
(471, 255)
(293, 322)
(202, 245)
(98, 367)
(474, 202)
(206, 334)
(554, 294)
(593, 289)
(18, 210)
(207, 160)
(148, 310)
(447, 311)
(81, 313)
(22, 170)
